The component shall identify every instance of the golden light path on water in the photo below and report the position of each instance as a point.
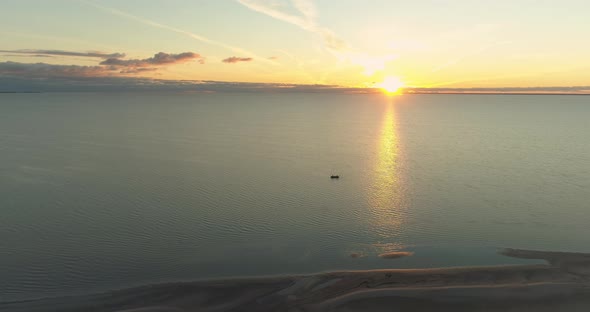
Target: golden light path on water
(385, 194)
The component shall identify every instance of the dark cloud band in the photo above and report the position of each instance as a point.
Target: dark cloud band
(38, 53)
(158, 59)
(235, 59)
(112, 66)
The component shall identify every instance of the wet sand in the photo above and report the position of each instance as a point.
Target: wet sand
(563, 284)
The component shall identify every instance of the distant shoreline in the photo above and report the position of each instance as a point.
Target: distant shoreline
(347, 91)
(492, 93)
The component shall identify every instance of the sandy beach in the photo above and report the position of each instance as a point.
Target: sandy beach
(560, 285)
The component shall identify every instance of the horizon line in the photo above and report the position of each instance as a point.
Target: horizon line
(112, 84)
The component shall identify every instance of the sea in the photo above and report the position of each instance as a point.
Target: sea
(107, 191)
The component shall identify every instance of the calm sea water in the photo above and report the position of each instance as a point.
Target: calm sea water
(106, 191)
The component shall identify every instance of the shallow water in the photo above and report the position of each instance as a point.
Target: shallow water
(107, 191)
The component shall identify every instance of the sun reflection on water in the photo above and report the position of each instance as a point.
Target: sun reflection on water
(385, 192)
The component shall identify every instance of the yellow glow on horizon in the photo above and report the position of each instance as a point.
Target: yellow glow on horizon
(391, 84)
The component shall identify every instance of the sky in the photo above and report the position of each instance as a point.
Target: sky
(437, 44)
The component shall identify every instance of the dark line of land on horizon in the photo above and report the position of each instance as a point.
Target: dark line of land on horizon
(493, 93)
(302, 91)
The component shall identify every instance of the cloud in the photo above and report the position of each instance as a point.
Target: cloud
(23, 55)
(43, 70)
(108, 67)
(235, 59)
(160, 58)
(138, 70)
(273, 57)
(40, 53)
(176, 30)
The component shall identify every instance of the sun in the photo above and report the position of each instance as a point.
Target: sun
(391, 84)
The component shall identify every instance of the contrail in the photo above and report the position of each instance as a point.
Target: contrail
(306, 20)
(179, 31)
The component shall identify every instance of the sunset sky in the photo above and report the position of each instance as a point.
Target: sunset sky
(350, 43)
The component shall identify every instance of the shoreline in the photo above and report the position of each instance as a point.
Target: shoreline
(563, 284)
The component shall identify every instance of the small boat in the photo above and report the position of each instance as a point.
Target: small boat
(334, 176)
